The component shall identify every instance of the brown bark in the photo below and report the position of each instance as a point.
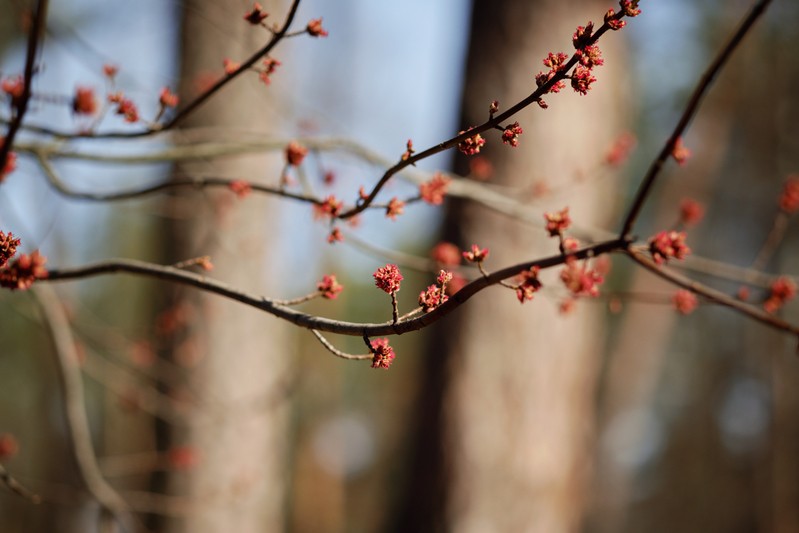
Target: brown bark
(519, 402)
(241, 355)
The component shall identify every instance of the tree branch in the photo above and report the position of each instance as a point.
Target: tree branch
(690, 110)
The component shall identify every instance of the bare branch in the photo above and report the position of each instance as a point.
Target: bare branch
(711, 294)
(74, 406)
(17, 487)
(690, 110)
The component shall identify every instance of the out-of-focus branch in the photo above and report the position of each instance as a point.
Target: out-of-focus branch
(16, 487)
(711, 294)
(690, 110)
(20, 104)
(74, 406)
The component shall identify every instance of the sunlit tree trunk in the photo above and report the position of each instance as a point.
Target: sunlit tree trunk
(240, 355)
(519, 401)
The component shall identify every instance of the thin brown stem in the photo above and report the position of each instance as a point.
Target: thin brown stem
(690, 111)
(305, 320)
(16, 487)
(338, 353)
(77, 421)
(20, 104)
(773, 241)
(711, 294)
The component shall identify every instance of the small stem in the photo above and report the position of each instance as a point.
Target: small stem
(335, 351)
(773, 240)
(394, 307)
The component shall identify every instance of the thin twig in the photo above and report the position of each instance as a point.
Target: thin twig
(17, 487)
(335, 351)
(690, 110)
(21, 103)
(711, 294)
(77, 421)
(773, 241)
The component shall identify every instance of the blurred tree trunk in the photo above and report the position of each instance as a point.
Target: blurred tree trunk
(719, 408)
(518, 381)
(238, 356)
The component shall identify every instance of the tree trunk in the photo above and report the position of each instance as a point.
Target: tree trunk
(519, 398)
(239, 356)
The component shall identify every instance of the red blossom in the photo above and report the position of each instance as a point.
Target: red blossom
(691, 211)
(388, 278)
(542, 78)
(471, 145)
(570, 244)
(329, 178)
(431, 298)
(528, 285)
(329, 287)
(24, 271)
(579, 279)
(511, 134)
(630, 7)
(614, 23)
(582, 80)
(480, 168)
(183, 457)
(382, 353)
(11, 163)
(395, 208)
(84, 102)
(444, 277)
(110, 71)
(789, 199)
(433, 191)
(476, 254)
(315, 28)
(335, 236)
(742, 293)
(446, 254)
(270, 65)
(783, 290)
(684, 301)
(13, 87)
(582, 35)
(591, 56)
(256, 15)
(125, 107)
(8, 247)
(408, 150)
(8, 446)
(167, 98)
(295, 153)
(558, 222)
(668, 244)
(680, 153)
(242, 188)
(556, 62)
(230, 66)
(329, 207)
(620, 150)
